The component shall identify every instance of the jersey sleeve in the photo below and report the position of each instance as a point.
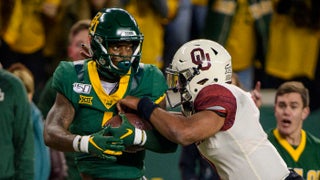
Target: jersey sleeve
(63, 78)
(152, 83)
(159, 84)
(219, 99)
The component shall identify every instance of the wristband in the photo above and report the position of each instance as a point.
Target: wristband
(146, 107)
(84, 144)
(76, 142)
(143, 138)
(140, 137)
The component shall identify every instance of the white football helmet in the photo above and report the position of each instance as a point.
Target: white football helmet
(195, 65)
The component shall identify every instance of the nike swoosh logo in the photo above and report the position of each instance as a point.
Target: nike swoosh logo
(128, 133)
(94, 144)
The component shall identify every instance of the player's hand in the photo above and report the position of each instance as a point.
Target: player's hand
(256, 94)
(128, 133)
(106, 147)
(130, 102)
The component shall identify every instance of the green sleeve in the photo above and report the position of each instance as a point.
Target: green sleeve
(155, 83)
(149, 82)
(158, 82)
(157, 143)
(63, 78)
(23, 134)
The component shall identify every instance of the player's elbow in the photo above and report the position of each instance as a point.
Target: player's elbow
(185, 141)
(48, 136)
(183, 137)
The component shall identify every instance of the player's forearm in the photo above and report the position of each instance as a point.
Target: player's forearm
(56, 134)
(58, 138)
(171, 126)
(59, 118)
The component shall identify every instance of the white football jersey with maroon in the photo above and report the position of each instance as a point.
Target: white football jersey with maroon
(240, 150)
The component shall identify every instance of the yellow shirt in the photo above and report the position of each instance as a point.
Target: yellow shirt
(151, 27)
(292, 51)
(25, 32)
(241, 43)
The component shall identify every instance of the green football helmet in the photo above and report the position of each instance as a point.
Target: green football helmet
(114, 25)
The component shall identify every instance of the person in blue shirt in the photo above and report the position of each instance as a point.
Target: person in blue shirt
(41, 151)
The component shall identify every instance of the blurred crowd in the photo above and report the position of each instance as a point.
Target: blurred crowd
(271, 41)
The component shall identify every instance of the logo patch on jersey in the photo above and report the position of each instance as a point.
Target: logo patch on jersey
(85, 100)
(109, 102)
(1, 95)
(81, 88)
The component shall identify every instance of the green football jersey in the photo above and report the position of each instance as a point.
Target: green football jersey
(304, 159)
(79, 82)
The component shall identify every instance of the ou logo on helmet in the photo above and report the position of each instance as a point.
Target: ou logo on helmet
(200, 58)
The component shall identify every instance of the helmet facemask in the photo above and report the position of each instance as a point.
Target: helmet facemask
(105, 62)
(115, 25)
(178, 93)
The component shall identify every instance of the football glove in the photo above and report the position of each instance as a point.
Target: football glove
(106, 147)
(128, 133)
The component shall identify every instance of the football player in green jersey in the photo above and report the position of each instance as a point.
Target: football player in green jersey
(87, 93)
(299, 148)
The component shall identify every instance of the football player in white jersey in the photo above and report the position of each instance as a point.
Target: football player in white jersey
(219, 117)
